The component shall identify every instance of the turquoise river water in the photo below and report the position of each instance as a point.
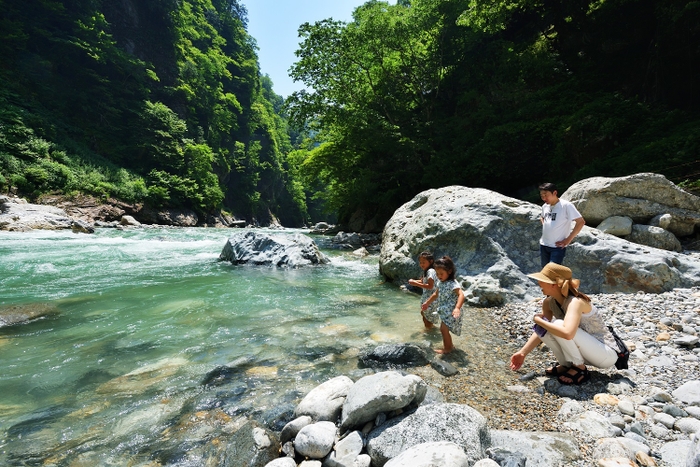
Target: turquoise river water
(144, 329)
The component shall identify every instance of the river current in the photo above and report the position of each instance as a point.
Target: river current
(142, 327)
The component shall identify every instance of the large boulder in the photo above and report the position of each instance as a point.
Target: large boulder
(16, 214)
(259, 248)
(494, 242)
(457, 423)
(640, 196)
(655, 237)
(491, 238)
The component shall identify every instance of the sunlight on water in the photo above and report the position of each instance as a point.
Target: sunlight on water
(129, 328)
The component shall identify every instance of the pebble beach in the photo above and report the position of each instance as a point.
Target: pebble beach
(661, 332)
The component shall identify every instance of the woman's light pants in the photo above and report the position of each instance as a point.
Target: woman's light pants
(583, 348)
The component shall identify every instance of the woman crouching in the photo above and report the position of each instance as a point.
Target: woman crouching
(570, 326)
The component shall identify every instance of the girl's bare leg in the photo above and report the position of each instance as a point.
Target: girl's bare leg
(446, 340)
(428, 324)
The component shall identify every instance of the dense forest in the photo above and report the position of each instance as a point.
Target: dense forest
(156, 102)
(500, 94)
(163, 102)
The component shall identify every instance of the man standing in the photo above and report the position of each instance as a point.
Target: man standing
(557, 215)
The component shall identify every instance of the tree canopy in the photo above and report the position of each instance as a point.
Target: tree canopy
(499, 94)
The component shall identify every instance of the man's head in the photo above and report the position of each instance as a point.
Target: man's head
(548, 193)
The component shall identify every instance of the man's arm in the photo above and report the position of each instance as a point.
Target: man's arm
(579, 223)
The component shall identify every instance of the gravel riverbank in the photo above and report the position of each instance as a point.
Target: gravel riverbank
(661, 332)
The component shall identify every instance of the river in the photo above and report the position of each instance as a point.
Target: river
(144, 327)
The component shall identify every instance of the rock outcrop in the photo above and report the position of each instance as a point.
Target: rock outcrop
(18, 215)
(641, 197)
(282, 250)
(494, 242)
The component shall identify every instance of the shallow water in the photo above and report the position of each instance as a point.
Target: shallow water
(138, 326)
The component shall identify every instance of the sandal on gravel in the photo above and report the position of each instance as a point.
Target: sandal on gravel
(556, 370)
(579, 376)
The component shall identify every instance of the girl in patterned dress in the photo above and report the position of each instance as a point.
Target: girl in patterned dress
(450, 299)
(427, 283)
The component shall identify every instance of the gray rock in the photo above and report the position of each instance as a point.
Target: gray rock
(661, 220)
(541, 449)
(506, 457)
(618, 226)
(618, 447)
(665, 419)
(79, 226)
(11, 315)
(291, 429)
(393, 356)
(456, 423)
(693, 457)
(640, 196)
(687, 425)
(282, 462)
(674, 454)
(569, 410)
(18, 215)
(252, 443)
(325, 401)
(129, 221)
(593, 424)
(674, 411)
(433, 454)
(170, 216)
(486, 463)
(655, 237)
(693, 411)
(686, 340)
(688, 393)
(346, 451)
(316, 440)
(294, 250)
(636, 437)
(380, 392)
(443, 367)
(626, 406)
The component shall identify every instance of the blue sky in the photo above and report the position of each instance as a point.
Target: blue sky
(274, 25)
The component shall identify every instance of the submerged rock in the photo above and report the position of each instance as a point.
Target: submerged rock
(18, 314)
(272, 250)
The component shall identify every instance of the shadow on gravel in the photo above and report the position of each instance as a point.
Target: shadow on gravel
(599, 383)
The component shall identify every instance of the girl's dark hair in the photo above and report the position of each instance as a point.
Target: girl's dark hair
(429, 256)
(446, 264)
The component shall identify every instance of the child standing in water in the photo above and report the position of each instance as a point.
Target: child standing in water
(450, 299)
(427, 283)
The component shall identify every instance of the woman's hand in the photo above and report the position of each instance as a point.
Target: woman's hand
(516, 360)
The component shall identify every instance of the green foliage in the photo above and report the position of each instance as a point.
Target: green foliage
(502, 95)
(156, 101)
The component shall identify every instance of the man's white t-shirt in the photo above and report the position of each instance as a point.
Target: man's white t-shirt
(557, 221)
